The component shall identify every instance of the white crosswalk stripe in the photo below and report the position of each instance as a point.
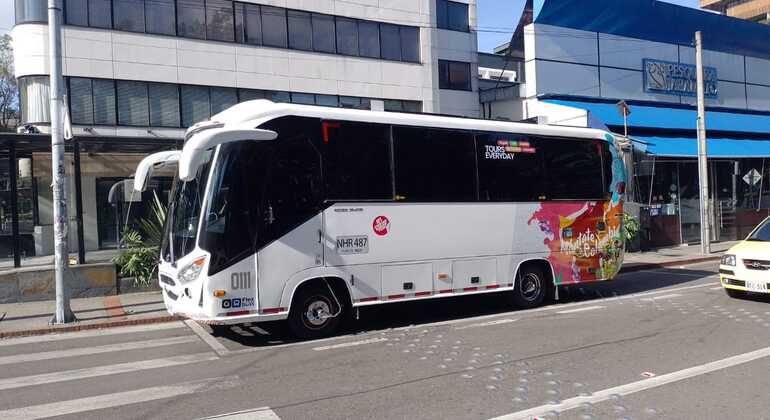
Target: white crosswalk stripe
(91, 333)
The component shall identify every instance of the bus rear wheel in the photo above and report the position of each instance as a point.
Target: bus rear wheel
(530, 287)
(315, 313)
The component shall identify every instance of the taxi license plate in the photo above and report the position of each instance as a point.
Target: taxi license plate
(756, 287)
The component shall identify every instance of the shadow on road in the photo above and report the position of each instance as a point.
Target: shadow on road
(395, 315)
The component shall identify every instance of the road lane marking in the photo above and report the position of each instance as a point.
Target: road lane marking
(351, 344)
(488, 323)
(91, 333)
(101, 402)
(262, 413)
(669, 296)
(75, 374)
(207, 338)
(638, 386)
(84, 351)
(588, 308)
(716, 288)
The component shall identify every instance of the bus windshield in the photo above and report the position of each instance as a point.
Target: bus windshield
(182, 216)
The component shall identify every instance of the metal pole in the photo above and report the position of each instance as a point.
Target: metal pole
(705, 228)
(63, 312)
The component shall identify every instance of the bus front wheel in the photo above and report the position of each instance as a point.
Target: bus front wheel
(315, 313)
(530, 288)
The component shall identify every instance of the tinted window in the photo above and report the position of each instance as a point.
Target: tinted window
(222, 98)
(31, 11)
(251, 94)
(274, 26)
(441, 14)
(454, 75)
(219, 20)
(357, 162)
(132, 103)
(762, 233)
(410, 44)
(248, 24)
(327, 100)
(76, 12)
(100, 13)
(159, 17)
(129, 15)
(573, 169)
(195, 105)
(347, 36)
(280, 97)
(104, 101)
(81, 101)
(391, 42)
(457, 16)
(191, 19)
(434, 165)
(369, 39)
(510, 168)
(303, 98)
(164, 105)
(323, 33)
(300, 30)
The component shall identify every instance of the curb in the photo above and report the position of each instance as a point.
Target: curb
(633, 267)
(95, 326)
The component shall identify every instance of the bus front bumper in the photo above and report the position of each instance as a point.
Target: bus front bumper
(182, 309)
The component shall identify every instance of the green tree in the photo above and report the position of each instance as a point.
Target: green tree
(8, 90)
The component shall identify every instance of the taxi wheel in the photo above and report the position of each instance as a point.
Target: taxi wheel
(735, 293)
(314, 313)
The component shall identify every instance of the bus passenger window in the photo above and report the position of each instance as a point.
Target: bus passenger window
(510, 168)
(574, 169)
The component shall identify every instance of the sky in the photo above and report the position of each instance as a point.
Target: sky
(498, 18)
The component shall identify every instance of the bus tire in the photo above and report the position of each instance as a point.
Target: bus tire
(531, 287)
(309, 316)
(736, 294)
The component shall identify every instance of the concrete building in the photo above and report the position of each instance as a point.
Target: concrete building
(138, 72)
(582, 57)
(753, 10)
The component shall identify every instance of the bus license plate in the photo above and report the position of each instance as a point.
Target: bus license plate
(352, 244)
(756, 287)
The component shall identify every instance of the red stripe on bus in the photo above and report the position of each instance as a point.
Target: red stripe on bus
(446, 291)
(422, 293)
(493, 286)
(272, 310)
(396, 296)
(369, 299)
(236, 313)
(510, 284)
(470, 289)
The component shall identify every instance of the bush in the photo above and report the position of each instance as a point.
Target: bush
(140, 256)
(630, 228)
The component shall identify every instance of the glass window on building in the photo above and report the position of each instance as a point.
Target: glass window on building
(350, 102)
(327, 100)
(280, 97)
(133, 105)
(191, 19)
(219, 20)
(81, 101)
(369, 39)
(347, 36)
(164, 105)
(274, 27)
(452, 15)
(34, 99)
(454, 75)
(222, 98)
(195, 105)
(391, 42)
(323, 33)
(300, 30)
(31, 11)
(159, 17)
(252, 94)
(129, 15)
(412, 106)
(303, 98)
(393, 105)
(100, 13)
(76, 12)
(410, 44)
(104, 101)
(248, 24)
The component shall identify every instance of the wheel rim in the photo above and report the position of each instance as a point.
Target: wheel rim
(317, 313)
(530, 287)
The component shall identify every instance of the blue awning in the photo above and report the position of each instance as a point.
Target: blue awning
(715, 147)
(670, 118)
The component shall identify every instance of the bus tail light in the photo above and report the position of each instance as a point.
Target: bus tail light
(219, 293)
(191, 271)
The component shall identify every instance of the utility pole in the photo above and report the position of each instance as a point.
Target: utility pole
(63, 312)
(705, 221)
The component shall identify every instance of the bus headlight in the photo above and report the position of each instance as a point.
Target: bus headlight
(728, 259)
(191, 271)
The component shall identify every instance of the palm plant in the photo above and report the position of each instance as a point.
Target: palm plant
(139, 259)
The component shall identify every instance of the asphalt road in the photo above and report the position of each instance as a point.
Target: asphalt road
(655, 344)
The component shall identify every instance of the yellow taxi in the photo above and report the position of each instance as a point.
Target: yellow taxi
(745, 268)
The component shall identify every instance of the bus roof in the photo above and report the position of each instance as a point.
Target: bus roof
(251, 114)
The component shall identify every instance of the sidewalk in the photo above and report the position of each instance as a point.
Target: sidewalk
(672, 257)
(31, 318)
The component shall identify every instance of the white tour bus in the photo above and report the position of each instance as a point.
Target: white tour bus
(307, 213)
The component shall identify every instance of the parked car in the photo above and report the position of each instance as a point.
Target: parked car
(745, 268)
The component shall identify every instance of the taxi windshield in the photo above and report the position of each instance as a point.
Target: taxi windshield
(761, 233)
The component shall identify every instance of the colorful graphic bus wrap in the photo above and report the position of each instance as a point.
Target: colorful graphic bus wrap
(304, 213)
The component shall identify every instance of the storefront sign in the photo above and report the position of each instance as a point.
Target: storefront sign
(677, 79)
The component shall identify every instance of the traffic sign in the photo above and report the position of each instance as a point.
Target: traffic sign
(752, 177)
